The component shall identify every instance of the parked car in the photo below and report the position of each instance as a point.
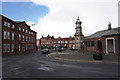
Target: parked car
(45, 51)
(62, 49)
(71, 49)
(59, 50)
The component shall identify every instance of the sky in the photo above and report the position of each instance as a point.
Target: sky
(58, 17)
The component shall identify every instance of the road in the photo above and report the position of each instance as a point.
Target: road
(37, 65)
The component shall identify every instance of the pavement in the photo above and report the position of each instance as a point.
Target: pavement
(76, 56)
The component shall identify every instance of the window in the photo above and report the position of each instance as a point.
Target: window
(85, 43)
(5, 35)
(4, 48)
(31, 46)
(12, 36)
(26, 31)
(58, 41)
(5, 23)
(8, 47)
(19, 28)
(19, 37)
(66, 42)
(70, 41)
(32, 39)
(19, 47)
(23, 37)
(73, 41)
(13, 26)
(8, 25)
(26, 38)
(76, 38)
(23, 30)
(8, 35)
(92, 43)
(13, 47)
(29, 38)
(26, 47)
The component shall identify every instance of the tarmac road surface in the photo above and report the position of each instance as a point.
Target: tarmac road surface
(37, 65)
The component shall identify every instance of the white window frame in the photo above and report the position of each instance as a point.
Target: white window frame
(8, 47)
(5, 23)
(66, 41)
(19, 36)
(13, 26)
(19, 28)
(23, 29)
(4, 48)
(13, 36)
(113, 44)
(5, 35)
(26, 38)
(26, 31)
(8, 24)
(58, 41)
(13, 48)
(19, 47)
(8, 35)
(23, 38)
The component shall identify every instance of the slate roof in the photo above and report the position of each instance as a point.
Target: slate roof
(113, 31)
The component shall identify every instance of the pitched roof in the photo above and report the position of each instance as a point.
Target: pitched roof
(113, 31)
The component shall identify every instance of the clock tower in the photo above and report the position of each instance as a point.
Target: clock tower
(78, 35)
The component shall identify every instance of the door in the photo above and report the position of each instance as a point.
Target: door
(110, 45)
(99, 43)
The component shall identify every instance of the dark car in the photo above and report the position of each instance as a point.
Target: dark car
(59, 50)
(45, 51)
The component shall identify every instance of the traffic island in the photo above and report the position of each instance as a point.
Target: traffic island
(85, 58)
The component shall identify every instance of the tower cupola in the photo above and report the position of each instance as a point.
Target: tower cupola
(78, 22)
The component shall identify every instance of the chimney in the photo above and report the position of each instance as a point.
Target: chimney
(109, 26)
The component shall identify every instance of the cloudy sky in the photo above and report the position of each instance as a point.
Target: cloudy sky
(58, 17)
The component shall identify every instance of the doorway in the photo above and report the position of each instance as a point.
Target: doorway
(110, 45)
(99, 44)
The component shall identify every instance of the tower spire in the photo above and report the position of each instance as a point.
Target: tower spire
(78, 18)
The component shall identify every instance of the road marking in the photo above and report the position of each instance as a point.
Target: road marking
(45, 68)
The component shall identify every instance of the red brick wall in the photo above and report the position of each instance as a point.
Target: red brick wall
(16, 40)
(8, 29)
(103, 39)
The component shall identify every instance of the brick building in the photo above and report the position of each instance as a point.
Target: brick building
(65, 42)
(47, 41)
(38, 42)
(107, 41)
(60, 42)
(17, 37)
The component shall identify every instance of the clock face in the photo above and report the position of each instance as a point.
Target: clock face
(77, 25)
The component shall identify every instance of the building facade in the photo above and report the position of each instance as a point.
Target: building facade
(106, 41)
(38, 42)
(59, 42)
(17, 37)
